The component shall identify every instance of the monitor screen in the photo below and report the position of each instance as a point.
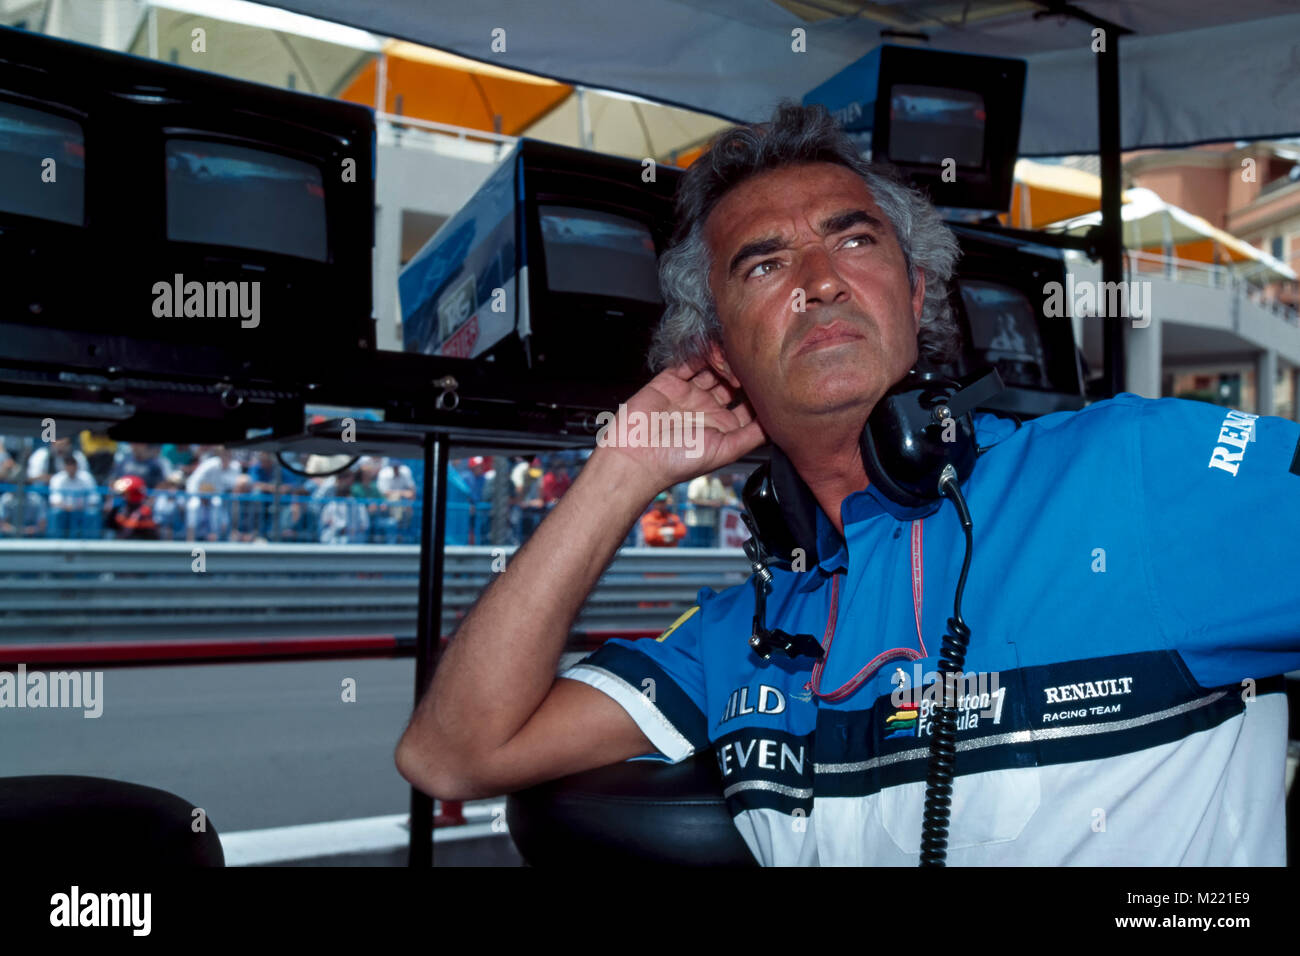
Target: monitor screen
(1004, 331)
(222, 194)
(42, 165)
(598, 253)
(928, 124)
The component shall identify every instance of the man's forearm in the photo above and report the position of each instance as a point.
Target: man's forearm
(501, 663)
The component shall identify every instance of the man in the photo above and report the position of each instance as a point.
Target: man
(100, 451)
(1124, 589)
(343, 519)
(34, 515)
(73, 501)
(555, 483)
(480, 508)
(248, 511)
(143, 462)
(660, 527)
(707, 496)
(44, 461)
(398, 489)
(527, 478)
(207, 517)
(131, 516)
(268, 475)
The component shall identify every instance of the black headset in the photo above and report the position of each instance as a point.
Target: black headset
(918, 445)
(921, 426)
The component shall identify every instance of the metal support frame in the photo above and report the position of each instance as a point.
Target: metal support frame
(1111, 234)
(433, 531)
(1112, 230)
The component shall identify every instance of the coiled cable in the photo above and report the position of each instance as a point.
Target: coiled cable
(943, 742)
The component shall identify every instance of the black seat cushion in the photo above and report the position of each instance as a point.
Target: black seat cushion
(91, 821)
(643, 812)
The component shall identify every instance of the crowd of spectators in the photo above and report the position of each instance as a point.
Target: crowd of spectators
(91, 487)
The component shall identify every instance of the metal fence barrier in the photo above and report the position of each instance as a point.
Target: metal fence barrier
(58, 591)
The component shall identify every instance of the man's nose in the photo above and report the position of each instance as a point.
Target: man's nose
(820, 280)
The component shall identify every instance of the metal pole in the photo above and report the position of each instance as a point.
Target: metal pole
(501, 495)
(1112, 231)
(585, 138)
(20, 517)
(433, 531)
(276, 476)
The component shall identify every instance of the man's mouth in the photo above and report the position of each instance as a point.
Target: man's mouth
(823, 336)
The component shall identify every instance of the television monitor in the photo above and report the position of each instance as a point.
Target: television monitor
(151, 188)
(998, 297)
(32, 141)
(550, 271)
(170, 226)
(949, 121)
(598, 253)
(222, 194)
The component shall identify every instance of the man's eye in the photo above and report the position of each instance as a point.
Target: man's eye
(865, 238)
(767, 262)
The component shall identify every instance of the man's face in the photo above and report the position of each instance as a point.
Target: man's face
(812, 227)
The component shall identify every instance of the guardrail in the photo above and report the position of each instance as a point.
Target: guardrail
(90, 591)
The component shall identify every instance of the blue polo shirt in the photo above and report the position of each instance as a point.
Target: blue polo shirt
(1131, 604)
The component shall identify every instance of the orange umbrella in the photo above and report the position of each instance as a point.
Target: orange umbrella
(428, 84)
(1044, 193)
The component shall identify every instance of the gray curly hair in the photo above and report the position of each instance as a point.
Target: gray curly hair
(796, 134)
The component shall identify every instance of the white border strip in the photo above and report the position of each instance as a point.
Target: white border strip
(365, 835)
(657, 727)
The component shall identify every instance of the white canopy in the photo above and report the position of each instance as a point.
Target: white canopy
(1149, 221)
(1193, 70)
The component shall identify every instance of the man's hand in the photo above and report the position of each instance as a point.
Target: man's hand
(728, 433)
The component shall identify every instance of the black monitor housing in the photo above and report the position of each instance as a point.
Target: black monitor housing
(950, 122)
(173, 228)
(998, 297)
(550, 272)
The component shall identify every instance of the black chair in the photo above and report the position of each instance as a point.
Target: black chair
(639, 813)
(90, 821)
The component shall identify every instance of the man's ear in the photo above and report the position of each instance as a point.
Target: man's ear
(718, 361)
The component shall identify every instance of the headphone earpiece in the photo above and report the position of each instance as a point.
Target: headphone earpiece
(912, 434)
(922, 424)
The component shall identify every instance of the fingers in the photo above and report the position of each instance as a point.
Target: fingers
(687, 371)
(727, 421)
(706, 379)
(741, 441)
(744, 414)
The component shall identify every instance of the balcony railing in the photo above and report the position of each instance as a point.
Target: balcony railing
(392, 129)
(1149, 265)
